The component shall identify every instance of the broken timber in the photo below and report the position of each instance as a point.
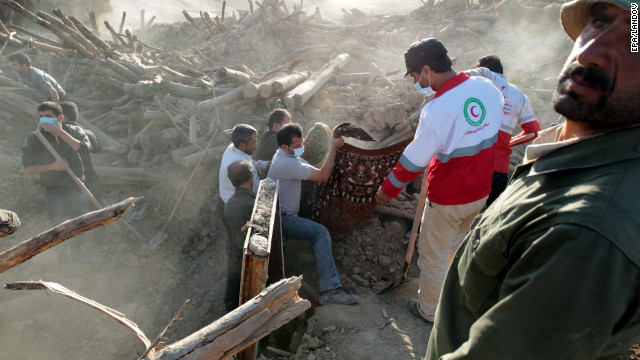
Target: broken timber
(263, 257)
(59, 289)
(297, 97)
(243, 327)
(70, 228)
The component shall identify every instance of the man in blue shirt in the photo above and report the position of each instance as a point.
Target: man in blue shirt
(290, 169)
(37, 79)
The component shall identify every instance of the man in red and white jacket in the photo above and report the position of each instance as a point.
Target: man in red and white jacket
(516, 111)
(456, 138)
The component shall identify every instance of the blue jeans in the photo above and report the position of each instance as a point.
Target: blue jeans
(294, 227)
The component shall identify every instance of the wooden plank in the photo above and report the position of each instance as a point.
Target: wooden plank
(258, 271)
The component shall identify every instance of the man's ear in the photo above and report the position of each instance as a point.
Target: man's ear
(60, 119)
(242, 146)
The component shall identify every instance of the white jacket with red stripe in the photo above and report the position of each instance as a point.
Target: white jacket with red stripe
(516, 111)
(456, 137)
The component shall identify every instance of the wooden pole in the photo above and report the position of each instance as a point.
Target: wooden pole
(89, 34)
(68, 229)
(80, 184)
(160, 236)
(94, 22)
(124, 17)
(224, 5)
(275, 306)
(68, 170)
(116, 37)
(297, 97)
(59, 289)
(75, 35)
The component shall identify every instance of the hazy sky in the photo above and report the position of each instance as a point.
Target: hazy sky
(171, 11)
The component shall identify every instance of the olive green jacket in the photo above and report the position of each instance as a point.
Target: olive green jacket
(552, 269)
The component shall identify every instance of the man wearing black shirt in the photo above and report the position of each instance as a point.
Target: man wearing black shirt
(268, 144)
(64, 199)
(70, 113)
(237, 211)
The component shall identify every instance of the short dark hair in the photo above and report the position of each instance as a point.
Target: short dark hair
(242, 133)
(54, 107)
(70, 111)
(277, 116)
(440, 65)
(287, 133)
(239, 172)
(20, 58)
(491, 62)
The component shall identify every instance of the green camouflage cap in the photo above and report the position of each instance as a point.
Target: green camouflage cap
(575, 14)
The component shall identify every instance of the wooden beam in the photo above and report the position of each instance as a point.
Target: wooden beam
(68, 229)
(297, 97)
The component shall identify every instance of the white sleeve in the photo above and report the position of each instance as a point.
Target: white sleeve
(425, 144)
(527, 114)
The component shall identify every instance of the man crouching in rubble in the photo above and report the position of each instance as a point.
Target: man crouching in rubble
(552, 269)
(237, 211)
(288, 167)
(64, 198)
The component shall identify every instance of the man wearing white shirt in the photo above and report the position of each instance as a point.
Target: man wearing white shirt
(243, 142)
(516, 111)
(455, 140)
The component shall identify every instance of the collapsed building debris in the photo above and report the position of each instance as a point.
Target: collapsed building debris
(162, 95)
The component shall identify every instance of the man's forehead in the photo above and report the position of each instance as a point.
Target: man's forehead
(575, 14)
(601, 7)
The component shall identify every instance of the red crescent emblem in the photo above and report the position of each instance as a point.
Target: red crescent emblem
(471, 111)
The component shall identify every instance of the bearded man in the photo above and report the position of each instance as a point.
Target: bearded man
(552, 269)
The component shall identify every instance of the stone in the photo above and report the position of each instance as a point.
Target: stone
(258, 245)
(384, 261)
(360, 280)
(393, 228)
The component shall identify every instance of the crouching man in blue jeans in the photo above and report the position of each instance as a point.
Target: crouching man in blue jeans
(288, 167)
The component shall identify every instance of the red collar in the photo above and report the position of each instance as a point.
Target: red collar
(451, 83)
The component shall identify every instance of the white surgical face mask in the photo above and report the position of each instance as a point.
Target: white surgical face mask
(48, 120)
(425, 91)
(298, 152)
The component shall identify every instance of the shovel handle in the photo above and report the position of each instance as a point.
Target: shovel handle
(68, 170)
(416, 225)
(522, 139)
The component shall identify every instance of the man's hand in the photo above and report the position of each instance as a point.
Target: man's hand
(53, 129)
(382, 199)
(59, 165)
(336, 143)
(54, 95)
